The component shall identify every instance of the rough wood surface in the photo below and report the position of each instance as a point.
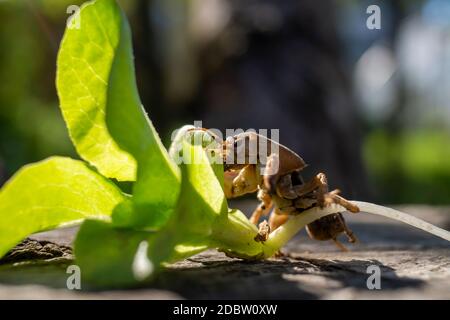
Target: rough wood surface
(413, 265)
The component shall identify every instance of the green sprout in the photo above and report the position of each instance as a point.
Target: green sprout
(173, 211)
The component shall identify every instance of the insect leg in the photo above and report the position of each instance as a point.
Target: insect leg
(348, 232)
(319, 180)
(263, 232)
(277, 218)
(340, 245)
(334, 197)
(263, 208)
(319, 184)
(340, 227)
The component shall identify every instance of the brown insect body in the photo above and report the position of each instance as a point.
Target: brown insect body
(323, 229)
(280, 186)
(241, 144)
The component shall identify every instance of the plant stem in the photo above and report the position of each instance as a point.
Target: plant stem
(283, 234)
(279, 237)
(235, 235)
(403, 217)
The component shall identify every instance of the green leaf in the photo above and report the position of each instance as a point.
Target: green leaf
(202, 219)
(53, 193)
(126, 257)
(176, 147)
(188, 136)
(118, 258)
(105, 117)
(200, 204)
(202, 198)
(84, 65)
(156, 190)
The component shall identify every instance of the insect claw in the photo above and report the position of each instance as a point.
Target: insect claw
(350, 235)
(335, 192)
(340, 245)
(263, 232)
(280, 254)
(348, 232)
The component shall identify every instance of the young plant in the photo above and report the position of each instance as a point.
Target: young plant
(173, 211)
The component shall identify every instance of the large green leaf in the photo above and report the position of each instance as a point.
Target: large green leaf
(156, 190)
(53, 193)
(107, 123)
(84, 65)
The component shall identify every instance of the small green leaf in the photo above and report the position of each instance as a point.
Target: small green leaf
(112, 257)
(188, 136)
(202, 198)
(53, 193)
(201, 202)
(202, 219)
(85, 61)
(176, 147)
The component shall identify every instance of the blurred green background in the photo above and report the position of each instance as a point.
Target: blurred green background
(371, 108)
